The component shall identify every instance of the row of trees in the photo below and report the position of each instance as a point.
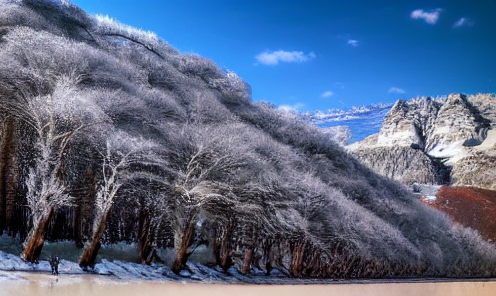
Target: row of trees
(53, 121)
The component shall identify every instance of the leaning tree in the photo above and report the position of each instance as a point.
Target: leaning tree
(53, 119)
(200, 154)
(213, 167)
(121, 160)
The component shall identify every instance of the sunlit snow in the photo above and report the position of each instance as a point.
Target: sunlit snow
(362, 121)
(126, 267)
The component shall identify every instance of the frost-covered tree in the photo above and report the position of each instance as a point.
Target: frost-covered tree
(108, 27)
(154, 215)
(55, 119)
(209, 160)
(121, 152)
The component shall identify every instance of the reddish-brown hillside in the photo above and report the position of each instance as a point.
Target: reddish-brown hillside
(471, 207)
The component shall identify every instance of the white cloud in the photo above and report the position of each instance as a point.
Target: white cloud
(463, 22)
(430, 17)
(291, 108)
(396, 90)
(274, 57)
(353, 42)
(327, 94)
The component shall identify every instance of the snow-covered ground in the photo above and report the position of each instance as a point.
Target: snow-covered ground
(129, 271)
(426, 192)
(489, 144)
(455, 151)
(117, 261)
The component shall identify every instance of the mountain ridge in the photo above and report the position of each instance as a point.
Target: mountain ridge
(455, 133)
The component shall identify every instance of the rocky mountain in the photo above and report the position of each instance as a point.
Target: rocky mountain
(448, 140)
(110, 135)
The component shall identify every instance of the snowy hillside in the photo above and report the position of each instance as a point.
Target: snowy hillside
(362, 121)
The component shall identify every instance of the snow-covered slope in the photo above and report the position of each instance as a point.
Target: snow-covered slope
(362, 121)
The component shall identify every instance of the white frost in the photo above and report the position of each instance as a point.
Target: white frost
(453, 151)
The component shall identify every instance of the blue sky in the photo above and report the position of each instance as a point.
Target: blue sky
(317, 54)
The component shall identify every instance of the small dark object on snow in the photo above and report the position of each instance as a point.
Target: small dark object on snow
(416, 188)
(415, 146)
(54, 263)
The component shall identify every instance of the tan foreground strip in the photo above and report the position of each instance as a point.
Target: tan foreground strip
(35, 284)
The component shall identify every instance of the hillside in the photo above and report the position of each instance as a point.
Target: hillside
(108, 134)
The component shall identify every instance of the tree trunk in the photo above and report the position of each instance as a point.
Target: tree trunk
(147, 251)
(6, 146)
(267, 256)
(36, 238)
(215, 243)
(247, 261)
(91, 249)
(185, 239)
(85, 194)
(297, 259)
(226, 252)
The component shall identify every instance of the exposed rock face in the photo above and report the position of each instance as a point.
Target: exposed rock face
(457, 121)
(478, 169)
(401, 163)
(422, 139)
(397, 150)
(484, 104)
(408, 122)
